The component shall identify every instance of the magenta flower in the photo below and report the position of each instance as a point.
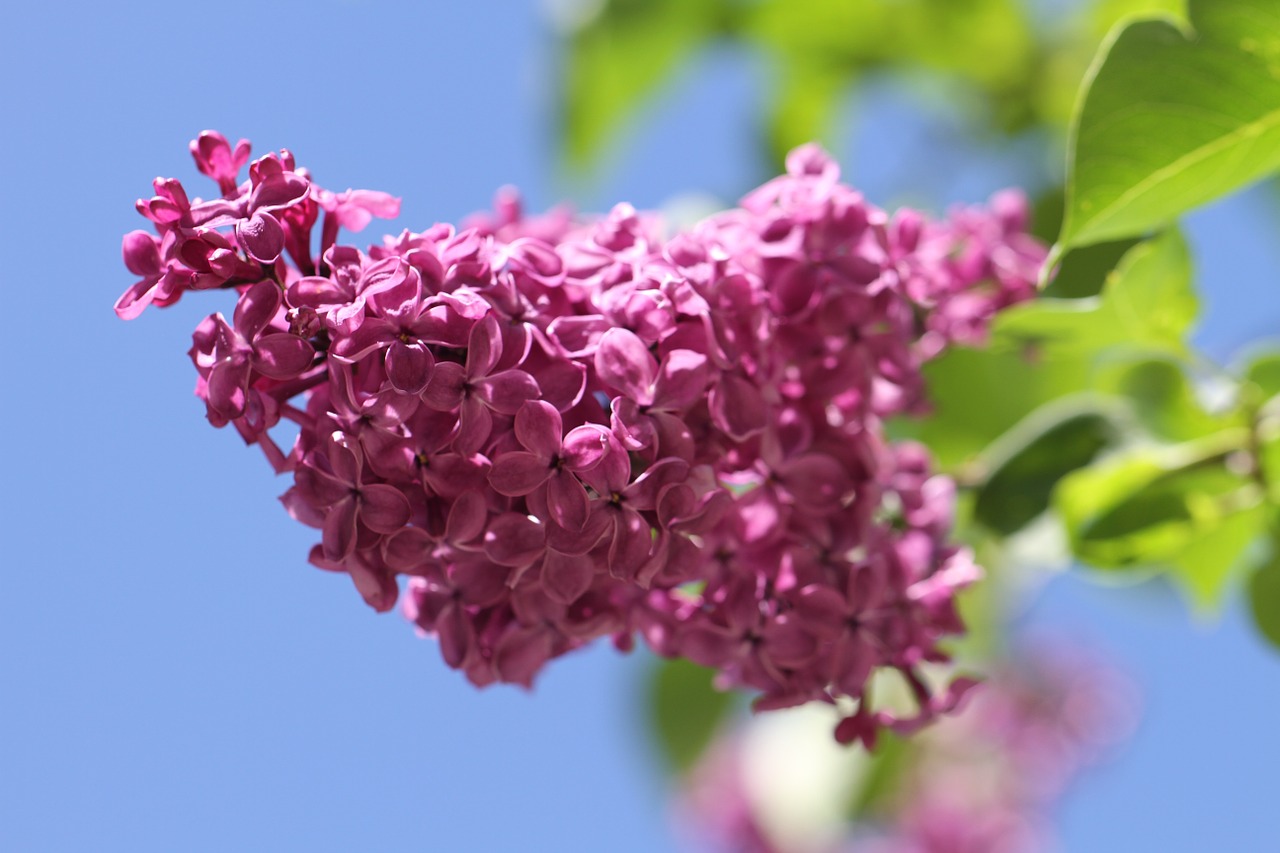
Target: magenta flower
(249, 347)
(398, 324)
(216, 158)
(551, 461)
(647, 412)
(332, 478)
(477, 389)
(566, 430)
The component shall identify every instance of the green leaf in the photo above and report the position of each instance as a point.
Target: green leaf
(1106, 13)
(1152, 294)
(1163, 400)
(819, 47)
(1148, 303)
(1084, 272)
(805, 102)
(1050, 348)
(978, 395)
(1263, 371)
(985, 41)
(622, 55)
(1029, 461)
(684, 711)
(1264, 599)
(886, 767)
(1145, 506)
(1173, 118)
(1203, 569)
(1268, 461)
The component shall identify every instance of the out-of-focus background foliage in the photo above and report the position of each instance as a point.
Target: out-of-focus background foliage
(176, 677)
(1014, 67)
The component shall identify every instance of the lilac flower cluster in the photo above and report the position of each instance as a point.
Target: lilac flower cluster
(562, 430)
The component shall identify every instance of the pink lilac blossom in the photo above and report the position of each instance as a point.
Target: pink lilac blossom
(560, 430)
(982, 781)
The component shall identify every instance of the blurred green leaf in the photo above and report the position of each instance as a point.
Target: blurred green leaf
(1264, 599)
(820, 47)
(1030, 460)
(1163, 400)
(1084, 272)
(1142, 507)
(1173, 118)
(988, 41)
(977, 395)
(1263, 371)
(1268, 460)
(1105, 13)
(804, 104)
(620, 56)
(886, 766)
(684, 711)
(1046, 349)
(1152, 294)
(1204, 567)
(1148, 303)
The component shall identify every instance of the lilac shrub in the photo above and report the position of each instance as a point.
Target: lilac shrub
(559, 430)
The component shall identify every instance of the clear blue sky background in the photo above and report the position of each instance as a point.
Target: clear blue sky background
(174, 676)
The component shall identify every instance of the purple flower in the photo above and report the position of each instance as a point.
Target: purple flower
(550, 461)
(216, 158)
(333, 479)
(477, 389)
(232, 354)
(566, 430)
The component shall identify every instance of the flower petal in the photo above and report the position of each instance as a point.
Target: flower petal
(632, 541)
(256, 308)
(282, 356)
(370, 335)
(682, 380)
(737, 407)
(474, 426)
(132, 302)
(539, 429)
(599, 525)
(624, 363)
(507, 391)
(566, 577)
(517, 473)
(409, 366)
(585, 447)
(484, 347)
(261, 236)
(340, 530)
(567, 500)
(383, 508)
(514, 540)
(444, 391)
(408, 549)
(227, 386)
(455, 635)
(466, 517)
(521, 654)
(142, 254)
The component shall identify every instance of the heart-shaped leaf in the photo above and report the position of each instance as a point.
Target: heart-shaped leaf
(1174, 116)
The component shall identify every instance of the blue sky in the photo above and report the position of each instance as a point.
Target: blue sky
(174, 676)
